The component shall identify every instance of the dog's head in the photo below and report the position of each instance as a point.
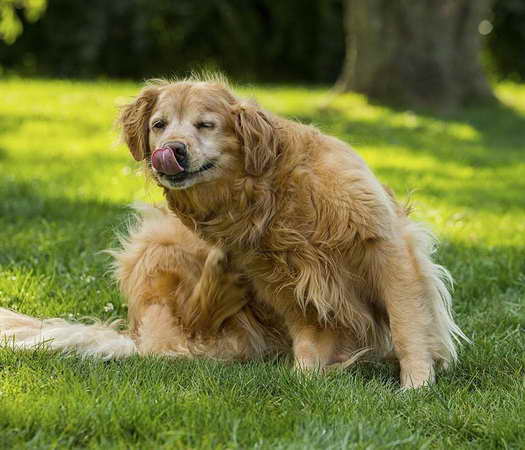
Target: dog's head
(193, 132)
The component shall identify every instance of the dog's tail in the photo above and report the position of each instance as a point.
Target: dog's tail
(439, 284)
(96, 340)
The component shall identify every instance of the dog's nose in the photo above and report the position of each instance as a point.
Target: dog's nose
(180, 150)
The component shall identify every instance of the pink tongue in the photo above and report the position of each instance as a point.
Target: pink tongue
(163, 160)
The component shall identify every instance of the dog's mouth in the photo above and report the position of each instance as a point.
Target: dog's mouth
(170, 165)
(184, 176)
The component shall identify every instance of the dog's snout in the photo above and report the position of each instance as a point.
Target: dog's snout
(170, 158)
(181, 151)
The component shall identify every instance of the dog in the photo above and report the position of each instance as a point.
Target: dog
(299, 213)
(285, 225)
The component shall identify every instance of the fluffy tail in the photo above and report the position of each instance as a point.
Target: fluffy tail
(439, 284)
(97, 340)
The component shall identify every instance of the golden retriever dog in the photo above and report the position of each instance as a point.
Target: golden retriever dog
(319, 239)
(277, 237)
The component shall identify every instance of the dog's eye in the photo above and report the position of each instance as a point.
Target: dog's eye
(208, 125)
(159, 124)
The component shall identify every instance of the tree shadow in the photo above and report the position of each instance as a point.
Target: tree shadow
(493, 138)
(22, 202)
(475, 194)
(37, 226)
(497, 140)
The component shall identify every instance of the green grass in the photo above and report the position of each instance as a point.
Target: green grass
(64, 186)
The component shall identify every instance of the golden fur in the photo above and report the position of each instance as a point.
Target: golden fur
(183, 299)
(278, 237)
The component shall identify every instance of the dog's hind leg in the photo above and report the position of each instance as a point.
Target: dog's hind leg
(218, 294)
(417, 298)
(404, 293)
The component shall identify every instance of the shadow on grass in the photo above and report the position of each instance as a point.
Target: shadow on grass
(475, 192)
(86, 225)
(38, 227)
(498, 140)
(21, 201)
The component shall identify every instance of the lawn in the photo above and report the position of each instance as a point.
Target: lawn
(65, 183)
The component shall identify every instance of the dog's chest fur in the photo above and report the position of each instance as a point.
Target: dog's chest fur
(300, 253)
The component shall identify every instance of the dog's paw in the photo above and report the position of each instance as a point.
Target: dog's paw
(309, 364)
(414, 376)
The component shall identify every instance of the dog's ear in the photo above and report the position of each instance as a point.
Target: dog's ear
(134, 119)
(258, 137)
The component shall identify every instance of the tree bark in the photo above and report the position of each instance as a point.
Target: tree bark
(415, 53)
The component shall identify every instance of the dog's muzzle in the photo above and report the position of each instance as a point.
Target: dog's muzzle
(170, 159)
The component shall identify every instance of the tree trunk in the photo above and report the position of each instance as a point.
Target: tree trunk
(416, 53)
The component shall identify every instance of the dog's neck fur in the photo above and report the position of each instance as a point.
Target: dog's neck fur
(220, 214)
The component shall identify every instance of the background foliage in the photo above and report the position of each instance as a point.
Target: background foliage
(507, 42)
(260, 39)
(11, 23)
(264, 40)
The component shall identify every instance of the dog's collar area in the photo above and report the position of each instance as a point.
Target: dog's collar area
(182, 176)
